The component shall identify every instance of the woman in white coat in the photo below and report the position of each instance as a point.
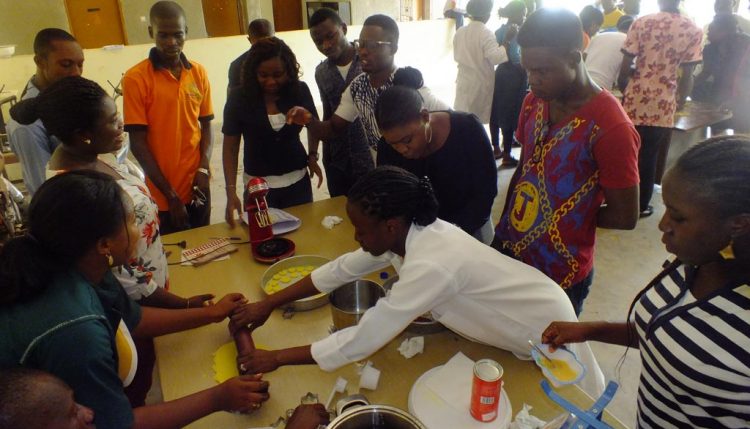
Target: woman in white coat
(468, 286)
(477, 52)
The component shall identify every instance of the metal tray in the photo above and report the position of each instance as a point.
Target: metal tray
(305, 304)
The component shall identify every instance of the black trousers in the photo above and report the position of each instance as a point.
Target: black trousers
(653, 141)
(510, 90)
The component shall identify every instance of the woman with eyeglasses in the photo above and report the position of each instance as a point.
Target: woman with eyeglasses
(257, 111)
(691, 323)
(451, 148)
(88, 133)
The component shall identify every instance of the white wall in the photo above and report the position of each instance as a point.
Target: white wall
(434, 59)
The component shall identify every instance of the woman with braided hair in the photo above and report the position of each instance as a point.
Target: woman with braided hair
(470, 288)
(87, 133)
(691, 323)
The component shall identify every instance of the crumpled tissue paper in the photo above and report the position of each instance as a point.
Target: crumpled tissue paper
(411, 347)
(330, 221)
(524, 420)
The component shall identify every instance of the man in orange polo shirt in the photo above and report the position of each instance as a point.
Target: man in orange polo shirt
(168, 113)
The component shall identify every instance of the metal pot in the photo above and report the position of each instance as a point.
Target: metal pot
(303, 304)
(375, 417)
(350, 301)
(423, 325)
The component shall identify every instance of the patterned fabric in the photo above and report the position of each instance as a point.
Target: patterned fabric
(661, 43)
(550, 217)
(365, 96)
(350, 153)
(148, 269)
(695, 354)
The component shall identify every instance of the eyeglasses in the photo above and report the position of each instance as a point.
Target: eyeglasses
(370, 44)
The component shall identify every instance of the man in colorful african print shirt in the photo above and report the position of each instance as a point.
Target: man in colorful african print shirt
(579, 161)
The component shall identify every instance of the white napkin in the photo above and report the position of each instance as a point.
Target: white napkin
(330, 221)
(452, 382)
(524, 420)
(411, 347)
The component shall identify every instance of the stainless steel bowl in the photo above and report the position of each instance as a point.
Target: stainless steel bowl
(376, 417)
(423, 325)
(350, 301)
(304, 304)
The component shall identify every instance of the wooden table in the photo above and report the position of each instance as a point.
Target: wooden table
(185, 359)
(690, 127)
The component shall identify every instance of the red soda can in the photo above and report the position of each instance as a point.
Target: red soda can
(485, 390)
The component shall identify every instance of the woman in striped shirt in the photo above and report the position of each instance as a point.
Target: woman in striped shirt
(692, 322)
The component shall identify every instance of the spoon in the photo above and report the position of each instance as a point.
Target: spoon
(541, 353)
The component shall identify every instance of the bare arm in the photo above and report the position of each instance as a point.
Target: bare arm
(158, 321)
(621, 209)
(625, 72)
(323, 130)
(617, 333)
(257, 313)
(139, 145)
(229, 157)
(264, 361)
(685, 85)
(240, 394)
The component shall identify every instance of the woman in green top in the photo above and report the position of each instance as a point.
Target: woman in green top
(62, 310)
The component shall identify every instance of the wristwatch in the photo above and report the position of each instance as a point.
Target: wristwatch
(204, 171)
(313, 155)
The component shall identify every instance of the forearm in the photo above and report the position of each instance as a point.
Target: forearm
(162, 298)
(229, 157)
(685, 87)
(295, 356)
(205, 143)
(617, 333)
(177, 413)
(302, 289)
(313, 141)
(611, 218)
(139, 146)
(158, 321)
(621, 209)
(322, 129)
(624, 76)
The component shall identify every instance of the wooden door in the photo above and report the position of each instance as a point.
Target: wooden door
(287, 15)
(223, 17)
(96, 23)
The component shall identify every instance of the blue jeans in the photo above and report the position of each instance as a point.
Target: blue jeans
(579, 291)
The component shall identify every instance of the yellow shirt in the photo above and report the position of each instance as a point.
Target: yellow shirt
(610, 19)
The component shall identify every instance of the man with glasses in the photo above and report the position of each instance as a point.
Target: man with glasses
(376, 46)
(345, 157)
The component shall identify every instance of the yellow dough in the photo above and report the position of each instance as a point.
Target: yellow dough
(560, 369)
(225, 361)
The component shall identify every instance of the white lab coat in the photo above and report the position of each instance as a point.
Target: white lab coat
(477, 52)
(469, 287)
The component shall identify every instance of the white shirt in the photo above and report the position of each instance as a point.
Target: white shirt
(604, 56)
(477, 52)
(469, 287)
(277, 122)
